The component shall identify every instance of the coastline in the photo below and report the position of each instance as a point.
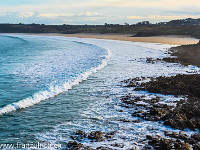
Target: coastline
(165, 39)
(98, 136)
(185, 55)
(157, 111)
(184, 114)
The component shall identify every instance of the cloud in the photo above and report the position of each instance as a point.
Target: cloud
(26, 14)
(60, 5)
(154, 3)
(88, 13)
(159, 17)
(52, 18)
(95, 12)
(136, 17)
(52, 15)
(195, 13)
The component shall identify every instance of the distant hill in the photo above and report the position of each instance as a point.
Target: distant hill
(183, 22)
(187, 26)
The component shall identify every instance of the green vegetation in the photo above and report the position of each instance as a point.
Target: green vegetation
(175, 27)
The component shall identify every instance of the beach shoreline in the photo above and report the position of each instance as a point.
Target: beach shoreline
(164, 39)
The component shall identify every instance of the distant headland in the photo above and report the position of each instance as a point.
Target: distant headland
(187, 26)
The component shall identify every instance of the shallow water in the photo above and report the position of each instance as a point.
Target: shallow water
(92, 104)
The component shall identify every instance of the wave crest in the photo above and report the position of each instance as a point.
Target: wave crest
(53, 90)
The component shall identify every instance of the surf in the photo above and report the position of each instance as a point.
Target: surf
(52, 72)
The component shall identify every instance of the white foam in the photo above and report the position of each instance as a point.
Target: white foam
(102, 115)
(53, 90)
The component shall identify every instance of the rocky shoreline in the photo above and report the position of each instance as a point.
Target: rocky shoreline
(94, 136)
(185, 55)
(181, 114)
(185, 114)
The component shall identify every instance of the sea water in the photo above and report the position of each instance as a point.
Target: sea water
(33, 69)
(53, 86)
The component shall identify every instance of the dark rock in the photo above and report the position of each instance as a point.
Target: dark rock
(192, 124)
(180, 135)
(136, 121)
(96, 136)
(181, 145)
(183, 136)
(79, 135)
(147, 147)
(149, 137)
(150, 60)
(137, 113)
(196, 147)
(167, 133)
(160, 143)
(154, 141)
(165, 144)
(155, 100)
(127, 97)
(120, 145)
(73, 145)
(175, 85)
(183, 115)
(196, 136)
(156, 111)
(110, 135)
(124, 120)
(186, 55)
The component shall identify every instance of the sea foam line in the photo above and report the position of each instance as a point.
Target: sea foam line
(53, 90)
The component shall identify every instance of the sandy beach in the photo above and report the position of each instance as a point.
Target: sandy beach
(165, 39)
(173, 39)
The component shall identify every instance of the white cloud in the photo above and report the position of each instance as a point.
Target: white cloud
(159, 17)
(26, 14)
(101, 11)
(52, 15)
(52, 18)
(60, 5)
(88, 13)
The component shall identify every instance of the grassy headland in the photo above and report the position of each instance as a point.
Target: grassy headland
(188, 26)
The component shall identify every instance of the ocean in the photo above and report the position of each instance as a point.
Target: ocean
(52, 86)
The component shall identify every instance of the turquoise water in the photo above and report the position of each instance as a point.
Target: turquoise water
(29, 65)
(36, 68)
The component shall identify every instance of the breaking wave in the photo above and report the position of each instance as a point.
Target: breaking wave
(52, 90)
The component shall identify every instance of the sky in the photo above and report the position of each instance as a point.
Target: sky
(96, 11)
